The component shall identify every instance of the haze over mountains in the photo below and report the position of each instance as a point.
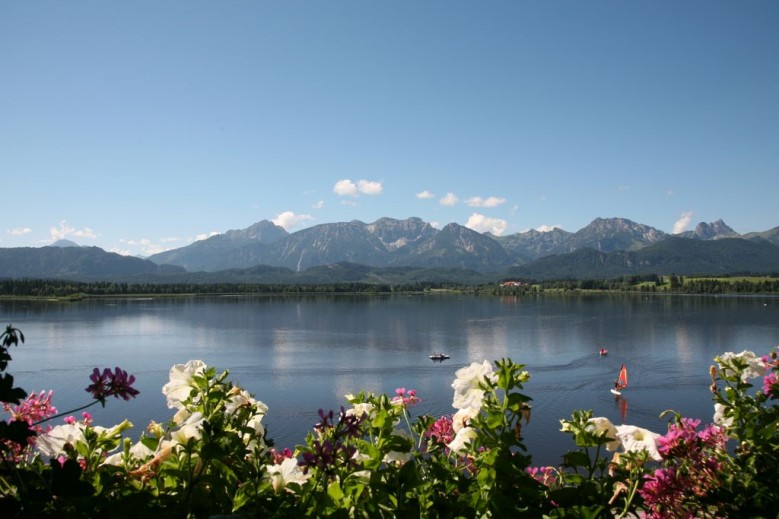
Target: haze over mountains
(607, 247)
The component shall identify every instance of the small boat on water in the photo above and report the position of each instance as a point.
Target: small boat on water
(439, 356)
(621, 382)
(603, 352)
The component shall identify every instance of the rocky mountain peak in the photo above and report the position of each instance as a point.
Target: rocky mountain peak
(395, 234)
(714, 231)
(263, 231)
(607, 234)
(64, 243)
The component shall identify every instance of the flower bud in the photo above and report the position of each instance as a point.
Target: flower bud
(155, 429)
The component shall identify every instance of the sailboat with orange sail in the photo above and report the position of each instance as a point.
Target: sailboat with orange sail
(621, 382)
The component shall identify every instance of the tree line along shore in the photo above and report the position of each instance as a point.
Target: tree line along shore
(76, 290)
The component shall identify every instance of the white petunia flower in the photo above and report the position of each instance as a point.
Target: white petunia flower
(52, 444)
(720, 418)
(181, 382)
(191, 428)
(462, 439)
(396, 457)
(467, 392)
(600, 425)
(360, 410)
(637, 439)
(252, 440)
(755, 367)
(138, 451)
(286, 472)
(463, 417)
(242, 398)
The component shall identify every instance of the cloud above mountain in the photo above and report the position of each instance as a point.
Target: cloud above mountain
(490, 201)
(64, 230)
(19, 231)
(480, 223)
(449, 199)
(683, 222)
(289, 220)
(346, 187)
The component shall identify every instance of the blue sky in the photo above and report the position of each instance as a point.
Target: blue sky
(142, 126)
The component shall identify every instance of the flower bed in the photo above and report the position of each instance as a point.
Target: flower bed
(374, 458)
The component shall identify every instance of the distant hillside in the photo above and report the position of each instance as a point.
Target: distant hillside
(223, 251)
(72, 262)
(771, 236)
(673, 255)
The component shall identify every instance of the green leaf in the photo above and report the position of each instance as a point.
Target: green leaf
(576, 459)
(335, 492)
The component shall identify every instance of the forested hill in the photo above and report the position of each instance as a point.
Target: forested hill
(680, 256)
(74, 263)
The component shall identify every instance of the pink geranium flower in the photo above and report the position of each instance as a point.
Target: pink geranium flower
(405, 398)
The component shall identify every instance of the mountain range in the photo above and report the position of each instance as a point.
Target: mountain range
(390, 250)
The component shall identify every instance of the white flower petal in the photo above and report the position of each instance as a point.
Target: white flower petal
(181, 382)
(637, 439)
(462, 439)
(600, 425)
(467, 392)
(286, 472)
(52, 444)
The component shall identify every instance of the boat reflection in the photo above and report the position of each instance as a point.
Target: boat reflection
(621, 403)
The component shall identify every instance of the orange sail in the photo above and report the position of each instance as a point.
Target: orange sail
(622, 379)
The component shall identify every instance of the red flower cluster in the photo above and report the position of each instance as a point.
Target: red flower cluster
(441, 431)
(666, 493)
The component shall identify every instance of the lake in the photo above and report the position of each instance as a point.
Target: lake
(299, 354)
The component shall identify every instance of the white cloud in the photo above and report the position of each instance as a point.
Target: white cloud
(289, 220)
(492, 201)
(424, 195)
(623, 188)
(548, 228)
(346, 187)
(65, 230)
(369, 187)
(436, 225)
(683, 222)
(480, 223)
(19, 231)
(135, 243)
(449, 199)
(122, 252)
(318, 205)
(144, 246)
(203, 236)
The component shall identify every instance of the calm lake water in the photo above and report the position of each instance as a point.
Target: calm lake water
(299, 354)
